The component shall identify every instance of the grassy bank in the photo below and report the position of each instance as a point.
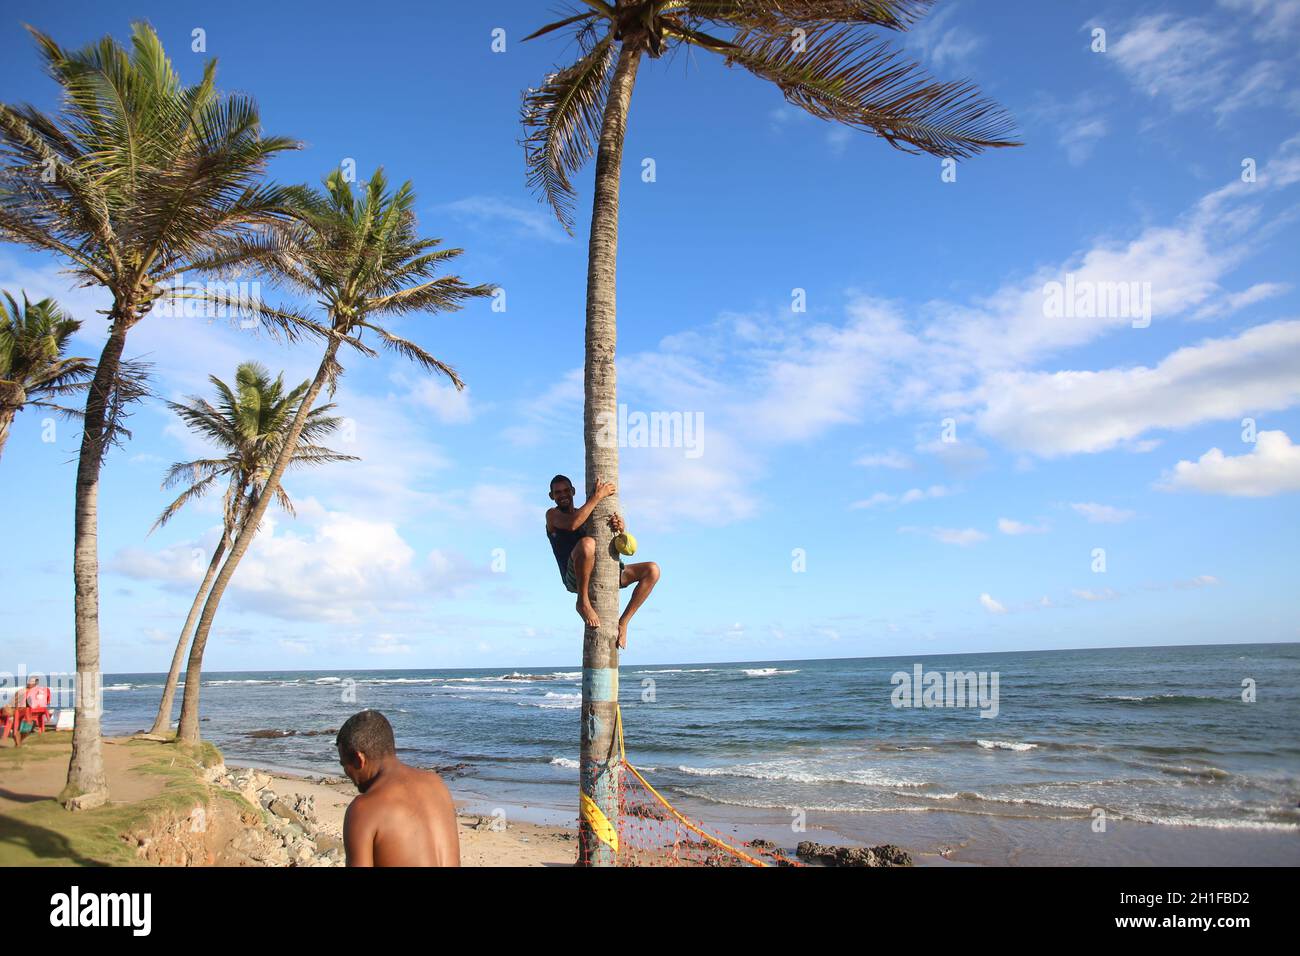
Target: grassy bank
(151, 784)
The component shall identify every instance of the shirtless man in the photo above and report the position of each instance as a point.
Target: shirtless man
(404, 816)
(575, 553)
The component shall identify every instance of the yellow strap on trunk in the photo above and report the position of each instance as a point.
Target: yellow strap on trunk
(595, 818)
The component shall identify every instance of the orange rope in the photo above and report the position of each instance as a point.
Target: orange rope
(622, 753)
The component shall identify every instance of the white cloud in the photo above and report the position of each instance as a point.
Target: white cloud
(963, 537)
(1060, 413)
(1279, 18)
(1200, 62)
(1104, 595)
(905, 498)
(389, 644)
(957, 457)
(1102, 514)
(1272, 467)
(1184, 60)
(991, 605)
(525, 221)
(824, 376)
(941, 42)
(1013, 527)
(450, 405)
(502, 506)
(344, 569)
(1236, 301)
(888, 459)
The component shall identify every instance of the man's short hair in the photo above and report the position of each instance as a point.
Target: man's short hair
(369, 733)
(559, 478)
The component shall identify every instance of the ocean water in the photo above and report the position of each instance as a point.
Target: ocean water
(1154, 736)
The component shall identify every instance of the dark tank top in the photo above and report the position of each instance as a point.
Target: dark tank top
(562, 543)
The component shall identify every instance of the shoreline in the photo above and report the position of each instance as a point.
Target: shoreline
(485, 839)
(932, 837)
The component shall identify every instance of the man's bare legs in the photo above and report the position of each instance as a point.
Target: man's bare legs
(646, 575)
(584, 560)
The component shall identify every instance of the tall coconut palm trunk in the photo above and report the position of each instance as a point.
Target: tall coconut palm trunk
(86, 787)
(187, 729)
(7, 413)
(162, 723)
(599, 761)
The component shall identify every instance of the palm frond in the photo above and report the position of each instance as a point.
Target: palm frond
(562, 121)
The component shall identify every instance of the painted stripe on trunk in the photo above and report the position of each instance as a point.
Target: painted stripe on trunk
(600, 683)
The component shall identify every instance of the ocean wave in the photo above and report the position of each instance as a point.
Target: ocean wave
(764, 671)
(1005, 745)
(218, 683)
(1207, 772)
(118, 687)
(677, 670)
(787, 774)
(517, 676)
(399, 680)
(566, 704)
(566, 762)
(1159, 699)
(484, 690)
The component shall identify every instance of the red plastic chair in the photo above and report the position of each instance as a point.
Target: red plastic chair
(38, 708)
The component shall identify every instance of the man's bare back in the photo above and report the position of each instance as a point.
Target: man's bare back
(403, 816)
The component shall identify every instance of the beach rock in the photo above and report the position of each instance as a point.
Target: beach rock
(452, 770)
(289, 810)
(327, 841)
(646, 811)
(884, 855)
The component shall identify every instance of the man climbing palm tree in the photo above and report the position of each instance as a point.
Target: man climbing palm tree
(575, 553)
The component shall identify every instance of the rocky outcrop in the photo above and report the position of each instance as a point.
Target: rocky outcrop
(884, 855)
(295, 837)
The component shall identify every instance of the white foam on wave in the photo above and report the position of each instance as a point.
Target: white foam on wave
(485, 690)
(215, 683)
(397, 680)
(553, 702)
(796, 772)
(565, 762)
(764, 671)
(1006, 745)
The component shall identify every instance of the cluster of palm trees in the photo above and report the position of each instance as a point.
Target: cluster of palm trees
(136, 181)
(140, 179)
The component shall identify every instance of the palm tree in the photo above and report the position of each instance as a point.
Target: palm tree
(135, 181)
(33, 339)
(249, 424)
(362, 259)
(824, 59)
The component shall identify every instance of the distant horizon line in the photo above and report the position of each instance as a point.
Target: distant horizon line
(803, 660)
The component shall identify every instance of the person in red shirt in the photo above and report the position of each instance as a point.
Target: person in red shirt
(14, 710)
(37, 699)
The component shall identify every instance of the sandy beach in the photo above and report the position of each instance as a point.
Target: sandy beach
(34, 830)
(485, 840)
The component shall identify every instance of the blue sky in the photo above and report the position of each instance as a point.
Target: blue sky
(823, 430)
